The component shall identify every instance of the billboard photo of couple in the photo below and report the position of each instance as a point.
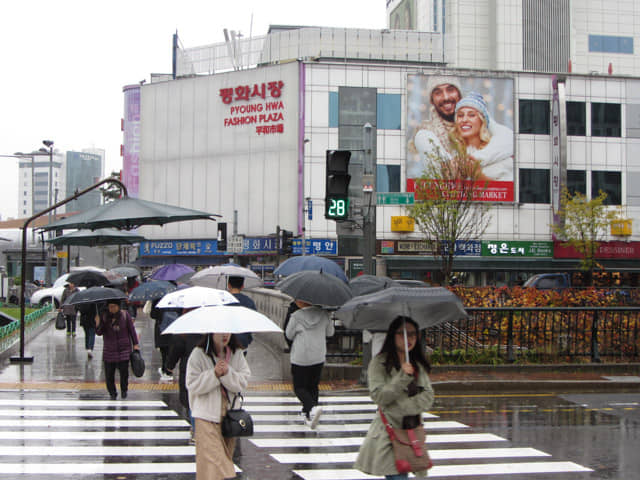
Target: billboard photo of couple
(465, 121)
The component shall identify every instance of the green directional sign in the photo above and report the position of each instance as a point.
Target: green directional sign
(395, 198)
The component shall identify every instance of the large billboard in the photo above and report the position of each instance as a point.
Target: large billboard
(462, 121)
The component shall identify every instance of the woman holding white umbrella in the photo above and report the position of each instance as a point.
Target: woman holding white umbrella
(216, 370)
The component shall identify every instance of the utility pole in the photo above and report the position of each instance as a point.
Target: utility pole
(369, 205)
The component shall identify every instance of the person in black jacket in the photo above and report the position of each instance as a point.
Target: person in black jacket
(179, 350)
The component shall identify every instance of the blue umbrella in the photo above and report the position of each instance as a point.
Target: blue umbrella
(310, 262)
(151, 291)
(171, 272)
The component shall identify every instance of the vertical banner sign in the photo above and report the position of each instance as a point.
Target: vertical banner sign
(558, 148)
(131, 140)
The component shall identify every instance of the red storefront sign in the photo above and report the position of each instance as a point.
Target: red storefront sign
(614, 249)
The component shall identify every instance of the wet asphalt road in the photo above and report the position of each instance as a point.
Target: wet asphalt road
(71, 432)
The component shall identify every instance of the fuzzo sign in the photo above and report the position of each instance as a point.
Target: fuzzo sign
(264, 113)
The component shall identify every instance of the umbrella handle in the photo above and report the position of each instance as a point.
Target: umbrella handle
(406, 343)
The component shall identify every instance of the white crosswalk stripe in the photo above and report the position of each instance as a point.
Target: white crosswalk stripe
(345, 420)
(92, 437)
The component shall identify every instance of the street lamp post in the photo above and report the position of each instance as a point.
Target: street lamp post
(49, 145)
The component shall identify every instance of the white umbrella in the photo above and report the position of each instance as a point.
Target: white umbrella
(194, 297)
(218, 276)
(222, 319)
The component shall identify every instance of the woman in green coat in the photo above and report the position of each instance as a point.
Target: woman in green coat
(401, 388)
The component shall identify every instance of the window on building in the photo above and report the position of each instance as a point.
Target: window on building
(24, 202)
(610, 183)
(610, 44)
(577, 119)
(389, 111)
(605, 120)
(388, 178)
(534, 116)
(534, 185)
(334, 109)
(577, 182)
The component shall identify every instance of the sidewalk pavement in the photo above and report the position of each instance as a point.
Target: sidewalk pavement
(61, 362)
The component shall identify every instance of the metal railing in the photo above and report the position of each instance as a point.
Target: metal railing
(31, 319)
(523, 335)
(502, 334)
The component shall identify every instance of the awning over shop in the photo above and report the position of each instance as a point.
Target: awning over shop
(470, 264)
(152, 261)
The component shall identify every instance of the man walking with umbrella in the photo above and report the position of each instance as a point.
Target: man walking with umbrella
(307, 329)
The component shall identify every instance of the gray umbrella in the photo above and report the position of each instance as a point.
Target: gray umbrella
(317, 288)
(99, 237)
(427, 306)
(127, 213)
(365, 284)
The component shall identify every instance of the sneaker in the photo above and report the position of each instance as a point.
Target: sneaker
(192, 437)
(315, 416)
(114, 396)
(68, 334)
(305, 419)
(164, 377)
(124, 395)
(89, 354)
(73, 334)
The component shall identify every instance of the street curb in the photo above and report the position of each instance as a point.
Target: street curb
(551, 387)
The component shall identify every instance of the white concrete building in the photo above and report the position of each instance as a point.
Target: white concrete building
(249, 134)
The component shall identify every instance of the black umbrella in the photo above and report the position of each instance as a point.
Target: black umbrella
(317, 288)
(152, 290)
(88, 278)
(365, 284)
(99, 237)
(426, 306)
(95, 295)
(127, 213)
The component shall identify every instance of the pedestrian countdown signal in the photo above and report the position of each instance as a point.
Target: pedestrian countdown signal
(336, 199)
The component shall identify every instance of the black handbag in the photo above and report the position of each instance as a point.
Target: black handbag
(61, 322)
(137, 363)
(237, 422)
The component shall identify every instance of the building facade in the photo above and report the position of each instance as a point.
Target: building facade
(588, 37)
(83, 169)
(33, 178)
(250, 144)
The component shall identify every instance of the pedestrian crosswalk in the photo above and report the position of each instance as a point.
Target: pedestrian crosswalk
(90, 438)
(82, 438)
(329, 451)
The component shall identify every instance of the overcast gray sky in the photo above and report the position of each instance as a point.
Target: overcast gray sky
(64, 62)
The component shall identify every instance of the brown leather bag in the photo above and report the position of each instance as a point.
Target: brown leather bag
(409, 447)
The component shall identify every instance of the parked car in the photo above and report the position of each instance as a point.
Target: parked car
(53, 294)
(549, 281)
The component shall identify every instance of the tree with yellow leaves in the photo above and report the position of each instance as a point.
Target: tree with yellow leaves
(585, 225)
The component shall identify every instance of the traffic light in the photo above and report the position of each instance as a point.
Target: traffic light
(222, 237)
(287, 242)
(336, 200)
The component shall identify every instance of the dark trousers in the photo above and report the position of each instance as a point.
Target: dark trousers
(110, 376)
(71, 323)
(89, 336)
(305, 384)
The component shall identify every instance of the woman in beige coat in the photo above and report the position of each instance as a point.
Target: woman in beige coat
(401, 388)
(216, 370)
